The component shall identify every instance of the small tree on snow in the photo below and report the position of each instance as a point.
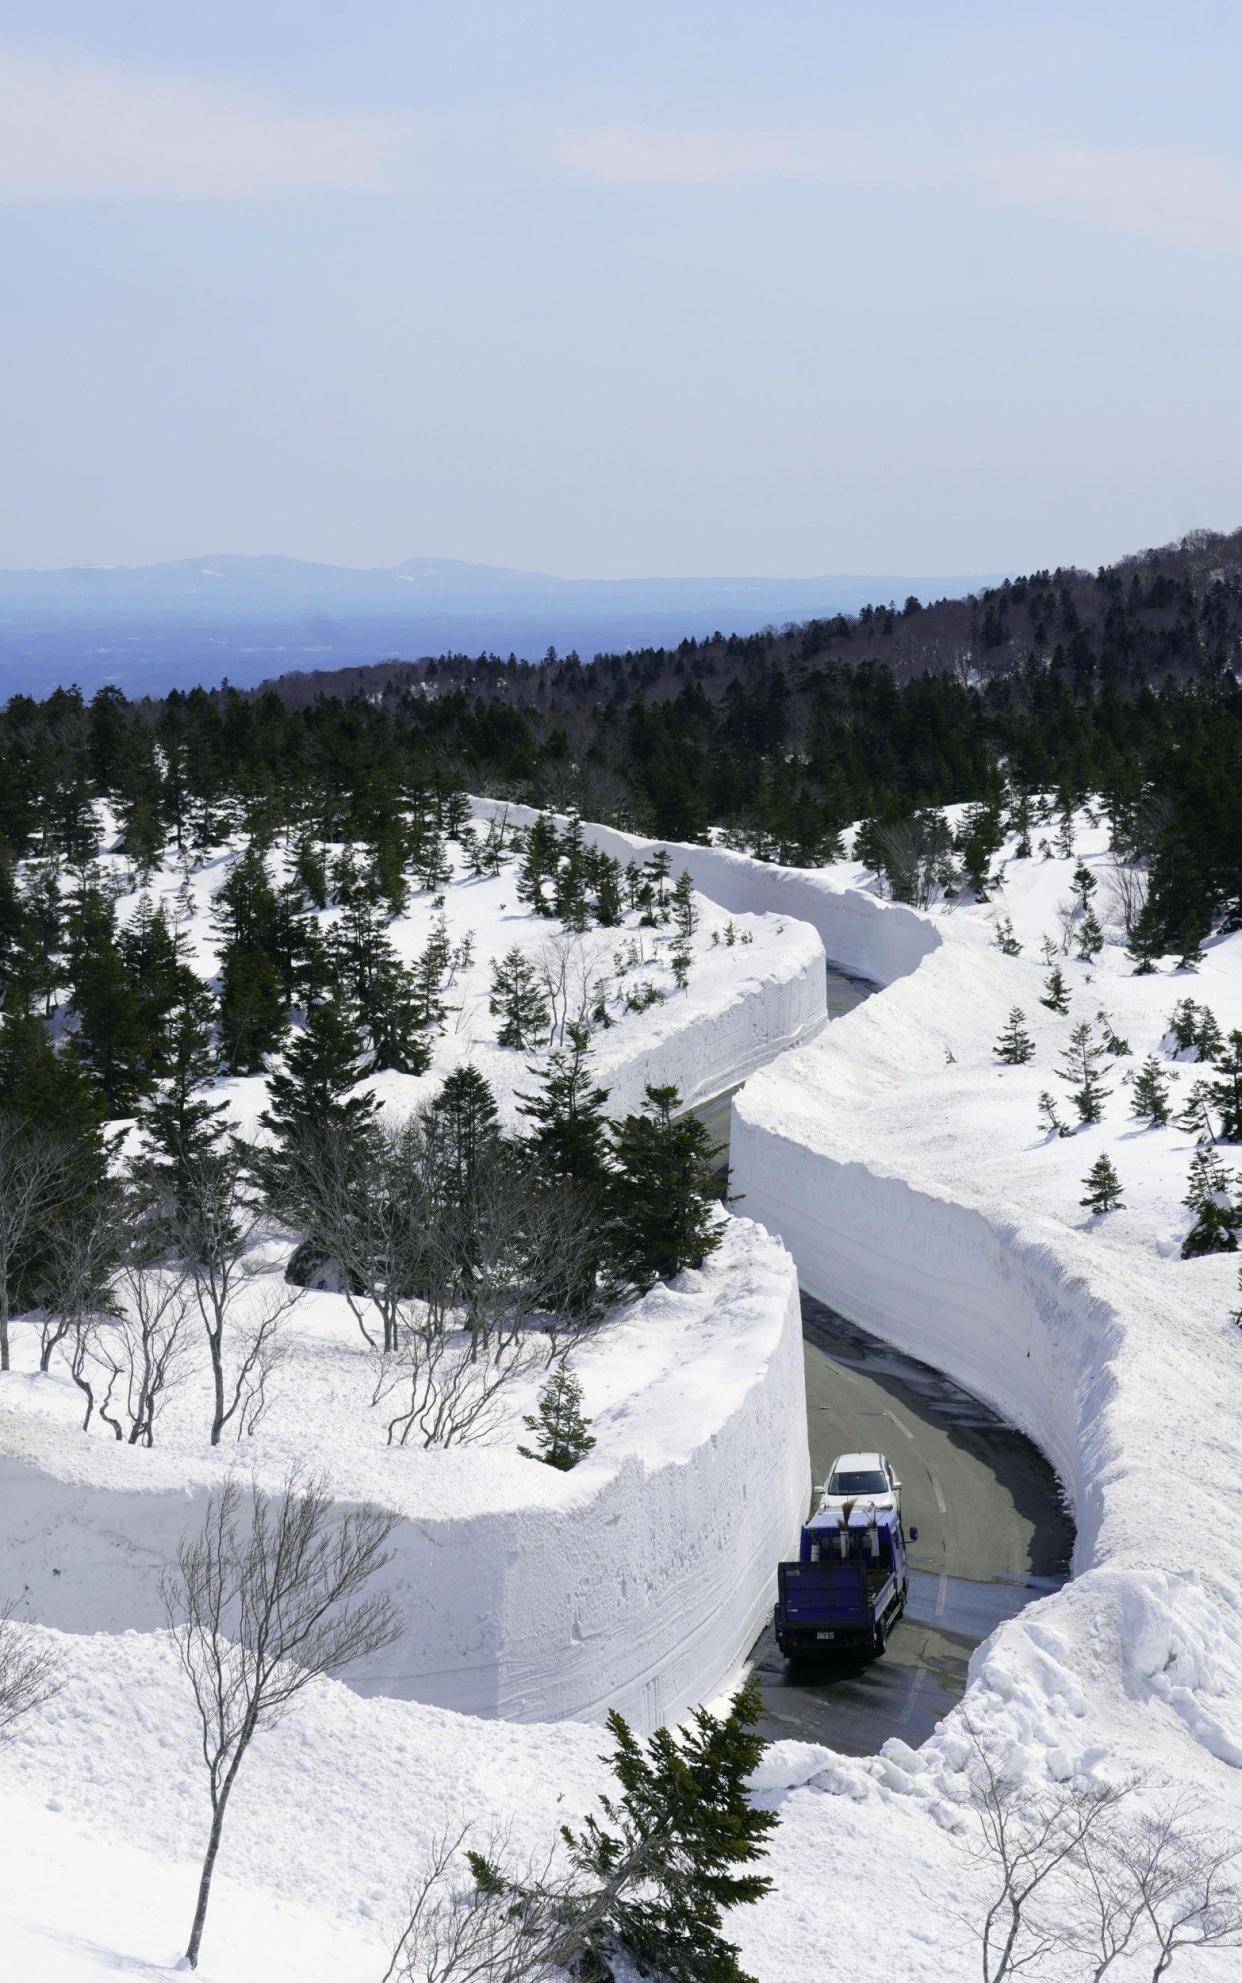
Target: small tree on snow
(1056, 992)
(1015, 1045)
(1226, 1091)
(685, 910)
(1215, 1229)
(263, 1601)
(1090, 937)
(1004, 938)
(1049, 1120)
(1081, 1065)
(1149, 1098)
(517, 1000)
(561, 1428)
(1102, 1188)
(1195, 1116)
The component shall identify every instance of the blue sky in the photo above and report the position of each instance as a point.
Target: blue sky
(691, 287)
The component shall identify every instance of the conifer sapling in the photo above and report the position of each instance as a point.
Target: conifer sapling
(1015, 1045)
(1102, 1188)
(562, 1431)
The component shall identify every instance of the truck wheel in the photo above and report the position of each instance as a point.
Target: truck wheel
(879, 1638)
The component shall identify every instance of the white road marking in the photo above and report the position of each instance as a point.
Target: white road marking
(916, 1687)
(940, 1500)
(897, 1422)
(942, 1594)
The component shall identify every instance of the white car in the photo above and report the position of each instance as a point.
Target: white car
(861, 1477)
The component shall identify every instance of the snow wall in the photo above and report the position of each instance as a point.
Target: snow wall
(777, 998)
(861, 935)
(637, 1581)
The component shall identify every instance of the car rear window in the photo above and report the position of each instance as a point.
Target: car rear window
(870, 1482)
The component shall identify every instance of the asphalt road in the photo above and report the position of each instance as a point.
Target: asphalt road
(992, 1530)
(992, 1535)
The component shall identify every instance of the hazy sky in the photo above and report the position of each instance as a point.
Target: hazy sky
(787, 286)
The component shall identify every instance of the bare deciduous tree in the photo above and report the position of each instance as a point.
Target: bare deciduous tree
(216, 1223)
(32, 1184)
(270, 1595)
(29, 1674)
(573, 975)
(142, 1348)
(1125, 893)
(449, 1395)
(459, 1932)
(1029, 1837)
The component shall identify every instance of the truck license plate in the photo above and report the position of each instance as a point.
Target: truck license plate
(825, 1635)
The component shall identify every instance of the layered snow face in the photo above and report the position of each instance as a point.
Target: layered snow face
(525, 1593)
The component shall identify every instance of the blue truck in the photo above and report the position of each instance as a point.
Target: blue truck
(848, 1588)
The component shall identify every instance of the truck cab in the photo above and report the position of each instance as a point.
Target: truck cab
(848, 1588)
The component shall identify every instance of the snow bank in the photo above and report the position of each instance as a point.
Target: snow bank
(862, 936)
(635, 1581)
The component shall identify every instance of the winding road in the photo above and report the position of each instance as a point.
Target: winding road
(993, 1533)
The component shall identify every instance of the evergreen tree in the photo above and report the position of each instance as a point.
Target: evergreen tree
(111, 1040)
(664, 1192)
(465, 1116)
(607, 885)
(1226, 1092)
(178, 1125)
(1090, 937)
(661, 1863)
(1208, 1039)
(1208, 1196)
(1049, 1120)
(517, 1000)
(310, 1095)
(1144, 945)
(1015, 1045)
(1149, 1099)
(562, 1431)
(1102, 1188)
(1083, 885)
(1184, 1025)
(1081, 1064)
(658, 866)
(539, 860)
(1056, 992)
(1005, 939)
(1196, 1114)
(685, 910)
(570, 1134)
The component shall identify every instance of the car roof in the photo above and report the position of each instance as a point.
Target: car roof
(856, 1462)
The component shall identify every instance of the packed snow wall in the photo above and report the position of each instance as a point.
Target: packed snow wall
(998, 1315)
(862, 936)
(638, 1581)
(775, 1000)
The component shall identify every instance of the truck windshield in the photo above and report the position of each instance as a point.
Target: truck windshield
(869, 1482)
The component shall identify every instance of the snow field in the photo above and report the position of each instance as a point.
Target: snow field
(746, 999)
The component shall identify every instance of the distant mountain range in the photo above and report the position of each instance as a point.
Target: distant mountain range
(155, 627)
